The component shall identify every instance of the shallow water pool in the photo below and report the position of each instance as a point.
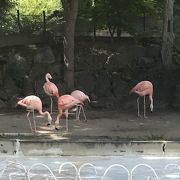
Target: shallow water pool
(90, 167)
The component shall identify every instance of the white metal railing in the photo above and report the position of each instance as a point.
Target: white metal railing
(44, 170)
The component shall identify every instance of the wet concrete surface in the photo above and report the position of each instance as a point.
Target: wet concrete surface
(105, 124)
(111, 139)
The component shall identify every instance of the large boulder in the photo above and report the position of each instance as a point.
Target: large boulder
(27, 86)
(11, 88)
(44, 55)
(115, 62)
(89, 60)
(119, 87)
(85, 81)
(17, 68)
(176, 97)
(2, 104)
(104, 102)
(139, 51)
(145, 62)
(154, 51)
(102, 84)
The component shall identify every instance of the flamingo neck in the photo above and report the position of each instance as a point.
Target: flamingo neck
(88, 98)
(47, 79)
(151, 99)
(48, 115)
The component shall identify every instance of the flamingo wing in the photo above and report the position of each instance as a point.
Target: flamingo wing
(50, 88)
(31, 102)
(67, 101)
(80, 95)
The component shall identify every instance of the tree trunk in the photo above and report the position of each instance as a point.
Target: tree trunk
(119, 32)
(144, 21)
(70, 15)
(168, 36)
(111, 31)
(94, 28)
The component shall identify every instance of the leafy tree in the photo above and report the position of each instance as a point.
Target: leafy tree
(36, 7)
(31, 13)
(84, 19)
(5, 6)
(5, 18)
(177, 17)
(121, 15)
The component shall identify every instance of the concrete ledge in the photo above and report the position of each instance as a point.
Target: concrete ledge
(87, 147)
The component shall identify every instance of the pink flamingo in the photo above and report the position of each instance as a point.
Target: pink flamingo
(50, 88)
(65, 102)
(32, 103)
(81, 97)
(144, 88)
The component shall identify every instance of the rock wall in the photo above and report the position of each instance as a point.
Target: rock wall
(105, 71)
(108, 71)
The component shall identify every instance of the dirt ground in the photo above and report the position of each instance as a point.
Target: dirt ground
(122, 125)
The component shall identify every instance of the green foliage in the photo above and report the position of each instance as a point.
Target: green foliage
(5, 6)
(84, 18)
(115, 15)
(32, 18)
(177, 2)
(177, 18)
(119, 15)
(31, 14)
(123, 13)
(150, 7)
(9, 24)
(5, 18)
(36, 7)
(85, 9)
(176, 55)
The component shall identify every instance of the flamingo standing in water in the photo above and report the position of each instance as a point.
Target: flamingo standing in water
(50, 88)
(144, 88)
(32, 103)
(65, 102)
(81, 97)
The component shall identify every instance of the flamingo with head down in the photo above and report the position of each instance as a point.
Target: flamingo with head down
(32, 103)
(144, 88)
(65, 103)
(81, 97)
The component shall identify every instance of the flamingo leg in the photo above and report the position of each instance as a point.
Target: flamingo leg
(138, 106)
(78, 111)
(34, 121)
(145, 107)
(82, 108)
(57, 126)
(29, 120)
(66, 115)
(51, 103)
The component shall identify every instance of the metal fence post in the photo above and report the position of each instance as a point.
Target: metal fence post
(18, 20)
(44, 21)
